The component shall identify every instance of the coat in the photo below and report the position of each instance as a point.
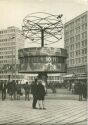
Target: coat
(27, 88)
(34, 89)
(80, 88)
(41, 92)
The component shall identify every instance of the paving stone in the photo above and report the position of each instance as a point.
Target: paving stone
(58, 112)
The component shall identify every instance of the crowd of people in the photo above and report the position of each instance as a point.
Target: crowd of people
(78, 87)
(36, 88)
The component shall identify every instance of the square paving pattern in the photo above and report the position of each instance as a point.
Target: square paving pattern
(58, 112)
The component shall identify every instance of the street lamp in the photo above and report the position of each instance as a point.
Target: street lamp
(12, 37)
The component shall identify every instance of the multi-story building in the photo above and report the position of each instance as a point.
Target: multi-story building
(10, 41)
(76, 43)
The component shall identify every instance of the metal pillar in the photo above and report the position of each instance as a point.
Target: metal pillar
(42, 37)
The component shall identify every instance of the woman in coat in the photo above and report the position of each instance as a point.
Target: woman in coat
(41, 95)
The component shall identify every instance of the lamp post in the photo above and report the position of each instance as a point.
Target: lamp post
(11, 67)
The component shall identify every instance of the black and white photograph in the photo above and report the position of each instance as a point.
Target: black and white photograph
(43, 62)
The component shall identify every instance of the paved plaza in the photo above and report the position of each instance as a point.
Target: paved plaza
(58, 112)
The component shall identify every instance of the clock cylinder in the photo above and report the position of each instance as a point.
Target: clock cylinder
(42, 59)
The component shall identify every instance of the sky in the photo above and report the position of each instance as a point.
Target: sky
(12, 12)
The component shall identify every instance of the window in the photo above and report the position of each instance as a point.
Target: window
(77, 52)
(67, 41)
(77, 38)
(84, 18)
(77, 30)
(72, 54)
(67, 48)
(66, 27)
(84, 35)
(83, 60)
(66, 34)
(84, 26)
(84, 51)
(71, 39)
(71, 25)
(72, 62)
(77, 22)
(84, 43)
(71, 32)
(77, 60)
(72, 47)
(77, 45)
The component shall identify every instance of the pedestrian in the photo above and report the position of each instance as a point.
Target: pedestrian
(34, 90)
(27, 91)
(53, 88)
(73, 88)
(10, 89)
(80, 90)
(41, 95)
(14, 90)
(85, 90)
(3, 89)
(18, 89)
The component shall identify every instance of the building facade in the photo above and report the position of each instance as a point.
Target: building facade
(76, 43)
(10, 41)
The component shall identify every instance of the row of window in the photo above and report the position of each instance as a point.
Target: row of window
(78, 53)
(77, 30)
(7, 31)
(81, 60)
(6, 52)
(78, 70)
(77, 22)
(7, 61)
(7, 48)
(5, 40)
(78, 36)
(75, 47)
(9, 56)
(8, 44)
(1, 57)
(3, 61)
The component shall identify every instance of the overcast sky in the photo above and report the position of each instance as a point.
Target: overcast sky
(12, 12)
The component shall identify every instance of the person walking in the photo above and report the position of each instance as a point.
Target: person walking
(10, 88)
(41, 95)
(80, 90)
(73, 88)
(14, 90)
(34, 90)
(85, 90)
(18, 89)
(27, 91)
(3, 88)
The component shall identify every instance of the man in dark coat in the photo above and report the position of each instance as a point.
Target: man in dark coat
(11, 89)
(34, 90)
